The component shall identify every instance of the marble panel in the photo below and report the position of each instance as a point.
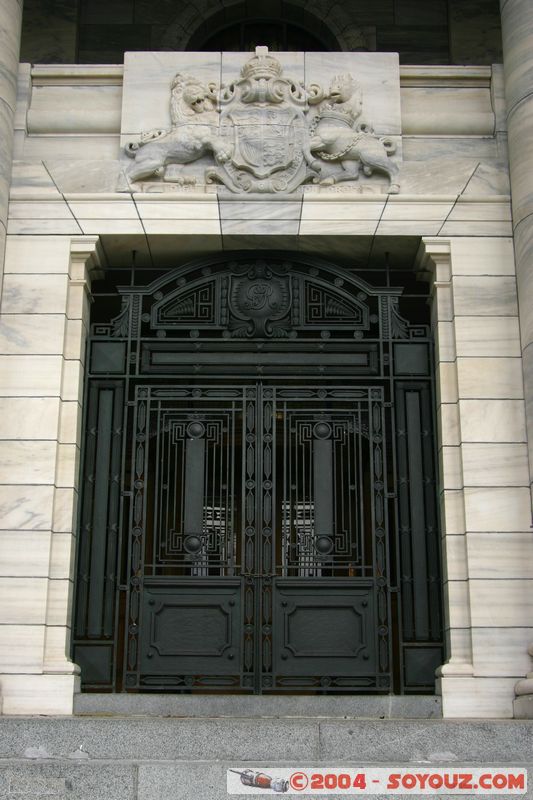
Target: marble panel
(117, 226)
(471, 228)
(260, 210)
(447, 382)
(442, 306)
(21, 648)
(330, 227)
(484, 295)
(39, 209)
(466, 153)
(78, 303)
(524, 254)
(445, 349)
(65, 510)
(492, 209)
(451, 175)
(447, 111)
(261, 227)
(103, 148)
(459, 646)
(40, 227)
(487, 336)
(332, 208)
(23, 601)
(34, 294)
(75, 337)
(500, 555)
(454, 562)
(59, 602)
(491, 378)
(91, 174)
(495, 464)
(29, 417)
(452, 512)
(68, 466)
(69, 422)
(37, 254)
(497, 509)
(203, 227)
(451, 473)
(490, 256)
(398, 208)
(6, 144)
(31, 334)
(11, 14)
(39, 694)
(30, 376)
(490, 178)
(62, 556)
(501, 603)
(477, 698)
(409, 228)
(72, 381)
(492, 420)
(57, 648)
(378, 74)
(501, 651)
(27, 462)
(517, 29)
(116, 208)
(449, 424)
(457, 603)
(24, 553)
(28, 177)
(26, 507)
(186, 208)
(147, 79)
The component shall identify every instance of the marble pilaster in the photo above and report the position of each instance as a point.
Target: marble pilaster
(43, 326)
(10, 26)
(517, 33)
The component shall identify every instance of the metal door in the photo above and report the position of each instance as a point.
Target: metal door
(258, 534)
(258, 487)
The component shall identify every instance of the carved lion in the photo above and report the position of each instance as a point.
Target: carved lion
(194, 117)
(339, 137)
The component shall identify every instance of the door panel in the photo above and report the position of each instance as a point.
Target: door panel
(257, 546)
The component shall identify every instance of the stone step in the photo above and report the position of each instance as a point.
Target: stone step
(171, 758)
(173, 705)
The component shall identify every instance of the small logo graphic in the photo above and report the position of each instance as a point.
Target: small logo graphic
(261, 781)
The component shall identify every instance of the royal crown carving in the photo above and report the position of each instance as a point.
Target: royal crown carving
(263, 133)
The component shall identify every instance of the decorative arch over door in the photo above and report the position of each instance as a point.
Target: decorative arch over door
(258, 510)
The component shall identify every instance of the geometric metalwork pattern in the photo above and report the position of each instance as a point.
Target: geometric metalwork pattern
(258, 510)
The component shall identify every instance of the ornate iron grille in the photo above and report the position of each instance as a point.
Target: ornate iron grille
(258, 508)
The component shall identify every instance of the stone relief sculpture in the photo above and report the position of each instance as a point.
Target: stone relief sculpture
(264, 134)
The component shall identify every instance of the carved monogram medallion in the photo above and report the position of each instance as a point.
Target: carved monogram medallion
(263, 133)
(261, 299)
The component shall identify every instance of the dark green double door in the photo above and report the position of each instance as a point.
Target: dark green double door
(257, 552)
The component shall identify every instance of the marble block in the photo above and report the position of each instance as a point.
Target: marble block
(379, 76)
(147, 79)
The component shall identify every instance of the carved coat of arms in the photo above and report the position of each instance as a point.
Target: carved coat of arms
(264, 133)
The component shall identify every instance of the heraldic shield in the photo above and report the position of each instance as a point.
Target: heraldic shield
(265, 140)
(259, 300)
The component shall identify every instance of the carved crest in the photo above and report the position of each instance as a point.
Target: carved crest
(264, 133)
(261, 298)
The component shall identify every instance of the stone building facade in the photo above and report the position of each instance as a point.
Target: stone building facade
(417, 166)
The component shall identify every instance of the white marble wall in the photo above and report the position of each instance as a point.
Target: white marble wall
(42, 331)
(487, 541)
